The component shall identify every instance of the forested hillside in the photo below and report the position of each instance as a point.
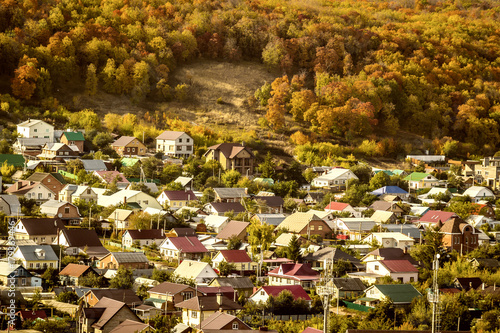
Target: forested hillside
(353, 70)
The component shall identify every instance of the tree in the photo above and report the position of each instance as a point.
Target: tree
(92, 280)
(268, 167)
(68, 297)
(260, 236)
(164, 323)
(140, 220)
(381, 179)
(50, 277)
(26, 77)
(225, 268)
(234, 243)
(123, 279)
(161, 275)
(91, 80)
(230, 178)
(293, 250)
(433, 244)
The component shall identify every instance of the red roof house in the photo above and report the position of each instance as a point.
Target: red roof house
(263, 293)
(239, 258)
(434, 216)
(180, 248)
(288, 274)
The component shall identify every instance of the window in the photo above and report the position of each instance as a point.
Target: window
(66, 210)
(39, 195)
(35, 130)
(49, 195)
(312, 228)
(187, 140)
(128, 149)
(194, 314)
(412, 279)
(31, 265)
(42, 239)
(235, 326)
(23, 281)
(35, 239)
(75, 250)
(51, 265)
(180, 140)
(376, 267)
(262, 292)
(320, 227)
(179, 147)
(37, 265)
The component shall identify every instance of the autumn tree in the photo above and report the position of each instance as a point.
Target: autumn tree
(25, 78)
(91, 80)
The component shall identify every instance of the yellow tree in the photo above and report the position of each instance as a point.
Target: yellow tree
(26, 76)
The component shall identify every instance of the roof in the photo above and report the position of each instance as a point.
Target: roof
(381, 216)
(188, 244)
(40, 176)
(468, 283)
(233, 228)
(168, 287)
(208, 303)
(272, 219)
(169, 135)
(229, 150)
(129, 161)
(127, 296)
(348, 284)
(337, 206)
(410, 230)
(145, 234)
(109, 176)
(32, 314)
(433, 216)
(416, 176)
(285, 238)
(42, 226)
(237, 282)
(183, 180)
(235, 256)
(94, 165)
(109, 307)
(296, 290)
(300, 271)
(389, 190)
(331, 253)
(356, 224)
(123, 141)
(215, 221)
(391, 253)
(474, 191)
(180, 195)
(222, 207)
(191, 269)
(32, 122)
(336, 173)
(296, 222)
(183, 231)
(51, 207)
(219, 319)
(120, 214)
(82, 238)
(271, 201)
(75, 270)
(398, 293)
(12, 159)
(454, 226)
(399, 266)
(74, 136)
(231, 192)
(130, 326)
(29, 252)
(129, 257)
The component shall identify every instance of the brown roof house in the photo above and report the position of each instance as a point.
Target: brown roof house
(180, 248)
(105, 316)
(242, 284)
(287, 274)
(129, 146)
(236, 229)
(57, 151)
(195, 310)
(459, 235)
(54, 181)
(223, 321)
(73, 139)
(174, 143)
(31, 190)
(320, 257)
(65, 211)
(39, 230)
(220, 208)
(70, 275)
(76, 241)
(305, 224)
(232, 156)
(128, 296)
(132, 326)
(115, 260)
(239, 258)
(170, 294)
(142, 238)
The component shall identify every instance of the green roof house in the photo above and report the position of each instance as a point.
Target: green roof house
(129, 161)
(398, 294)
(418, 180)
(73, 139)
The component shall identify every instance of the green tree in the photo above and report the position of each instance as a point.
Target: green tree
(225, 268)
(161, 275)
(381, 179)
(230, 178)
(123, 279)
(260, 236)
(50, 278)
(164, 323)
(91, 80)
(234, 243)
(293, 250)
(68, 297)
(426, 252)
(268, 167)
(92, 280)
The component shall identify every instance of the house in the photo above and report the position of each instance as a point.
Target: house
(340, 208)
(56, 151)
(115, 260)
(236, 229)
(320, 258)
(186, 182)
(269, 204)
(296, 274)
(230, 194)
(182, 248)
(399, 270)
(398, 294)
(346, 288)
(409, 229)
(77, 241)
(29, 146)
(353, 228)
(334, 179)
(283, 240)
(225, 322)
(9, 205)
(173, 143)
(11, 273)
(34, 128)
(391, 190)
(121, 218)
(128, 296)
(176, 199)
(271, 219)
(242, 284)
(305, 224)
(389, 253)
(467, 284)
(313, 198)
(487, 171)
(73, 139)
(243, 265)
(388, 206)
(108, 177)
(418, 180)
(53, 181)
(390, 239)
(70, 275)
(65, 211)
(262, 294)
(220, 208)
(137, 198)
(486, 263)
(479, 193)
(142, 238)
(132, 326)
(31, 190)
(72, 193)
(39, 230)
(460, 236)
(384, 217)
(129, 146)
(431, 217)
(36, 257)
(167, 293)
(232, 156)
(181, 232)
(216, 223)
(199, 271)
(195, 310)
(105, 316)
(94, 165)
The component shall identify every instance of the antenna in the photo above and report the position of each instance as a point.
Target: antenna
(325, 290)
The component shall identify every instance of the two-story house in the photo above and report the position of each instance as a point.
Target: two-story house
(334, 179)
(105, 316)
(305, 224)
(174, 143)
(132, 260)
(34, 128)
(71, 193)
(73, 139)
(58, 151)
(460, 236)
(390, 239)
(176, 199)
(65, 211)
(31, 190)
(181, 248)
(142, 238)
(418, 180)
(129, 146)
(39, 230)
(293, 274)
(232, 156)
(53, 181)
(243, 265)
(81, 241)
(166, 295)
(36, 257)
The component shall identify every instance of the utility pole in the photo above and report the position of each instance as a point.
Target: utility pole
(325, 291)
(433, 294)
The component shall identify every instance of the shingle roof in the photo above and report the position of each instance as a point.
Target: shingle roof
(94, 165)
(235, 256)
(127, 296)
(130, 326)
(233, 228)
(331, 253)
(42, 226)
(271, 201)
(209, 303)
(219, 319)
(337, 206)
(300, 271)
(82, 238)
(29, 254)
(123, 141)
(222, 207)
(348, 284)
(399, 293)
(239, 282)
(188, 244)
(146, 234)
(180, 195)
(434, 216)
(109, 176)
(229, 150)
(168, 287)
(75, 270)
(169, 135)
(296, 290)
(392, 253)
(129, 257)
(296, 222)
(110, 308)
(399, 266)
(453, 226)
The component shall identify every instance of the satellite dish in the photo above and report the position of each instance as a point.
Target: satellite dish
(59, 215)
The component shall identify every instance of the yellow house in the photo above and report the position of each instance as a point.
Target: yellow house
(176, 199)
(128, 146)
(36, 257)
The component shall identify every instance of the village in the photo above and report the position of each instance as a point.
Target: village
(152, 241)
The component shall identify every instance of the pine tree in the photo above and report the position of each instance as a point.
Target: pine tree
(293, 250)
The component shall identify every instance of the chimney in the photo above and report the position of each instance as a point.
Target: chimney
(162, 232)
(124, 200)
(219, 298)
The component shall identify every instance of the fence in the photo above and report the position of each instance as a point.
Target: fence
(248, 319)
(357, 307)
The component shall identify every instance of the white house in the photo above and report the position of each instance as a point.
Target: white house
(335, 179)
(71, 192)
(173, 143)
(36, 256)
(33, 128)
(478, 193)
(391, 239)
(217, 223)
(262, 294)
(199, 271)
(400, 270)
(143, 237)
(182, 248)
(126, 196)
